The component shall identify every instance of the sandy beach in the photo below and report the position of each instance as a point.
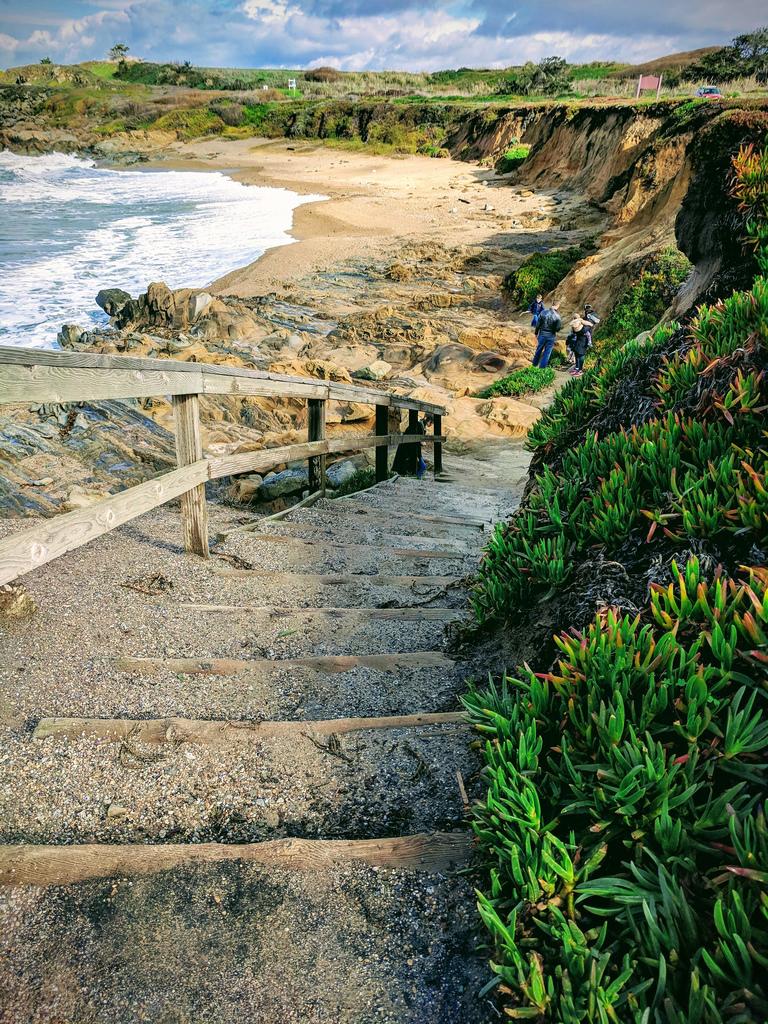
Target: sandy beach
(375, 204)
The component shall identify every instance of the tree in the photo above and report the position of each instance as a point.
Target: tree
(547, 78)
(118, 51)
(46, 60)
(744, 57)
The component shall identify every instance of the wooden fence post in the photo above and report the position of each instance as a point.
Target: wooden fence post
(437, 455)
(316, 432)
(189, 448)
(382, 450)
(412, 449)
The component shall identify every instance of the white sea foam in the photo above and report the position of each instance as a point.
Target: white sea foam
(69, 228)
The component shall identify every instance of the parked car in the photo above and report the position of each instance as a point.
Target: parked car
(709, 92)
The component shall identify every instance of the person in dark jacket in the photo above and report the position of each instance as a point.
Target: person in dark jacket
(549, 323)
(536, 308)
(578, 341)
(408, 458)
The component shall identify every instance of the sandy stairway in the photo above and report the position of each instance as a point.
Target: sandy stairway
(250, 800)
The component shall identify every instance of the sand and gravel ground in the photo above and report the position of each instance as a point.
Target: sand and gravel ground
(235, 941)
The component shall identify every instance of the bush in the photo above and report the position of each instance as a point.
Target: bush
(190, 124)
(521, 382)
(541, 272)
(645, 302)
(359, 481)
(547, 78)
(745, 57)
(324, 74)
(232, 114)
(512, 159)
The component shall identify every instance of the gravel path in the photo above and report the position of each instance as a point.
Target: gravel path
(350, 944)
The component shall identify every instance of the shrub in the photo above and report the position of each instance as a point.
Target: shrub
(512, 159)
(745, 56)
(521, 382)
(541, 272)
(750, 189)
(645, 302)
(624, 827)
(359, 481)
(324, 74)
(189, 124)
(681, 473)
(231, 114)
(547, 78)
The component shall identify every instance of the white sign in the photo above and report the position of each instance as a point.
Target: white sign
(291, 83)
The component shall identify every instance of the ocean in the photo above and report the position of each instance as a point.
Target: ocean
(69, 228)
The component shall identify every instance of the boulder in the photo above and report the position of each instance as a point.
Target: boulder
(278, 485)
(180, 344)
(452, 354)
(376, 370)
(69, 335)
(491, 362)
(339, 472)
(245, 488)
(112, 300)
(78, 498)
(197, 305)
(161, 303)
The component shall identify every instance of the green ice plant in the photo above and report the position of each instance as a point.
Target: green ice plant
(623, 829)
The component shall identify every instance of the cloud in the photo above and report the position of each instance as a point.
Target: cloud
(367, 34)
(66, 40)
(692, 24)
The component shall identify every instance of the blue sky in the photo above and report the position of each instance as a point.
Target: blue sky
(367, 34)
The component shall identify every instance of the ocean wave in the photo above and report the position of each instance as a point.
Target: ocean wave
(69, 228)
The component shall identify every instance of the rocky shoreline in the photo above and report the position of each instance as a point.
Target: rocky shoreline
(418, 316)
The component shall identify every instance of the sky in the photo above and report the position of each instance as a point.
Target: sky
(368, 34)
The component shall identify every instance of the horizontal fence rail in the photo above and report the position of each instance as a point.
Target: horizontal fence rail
(36, 376)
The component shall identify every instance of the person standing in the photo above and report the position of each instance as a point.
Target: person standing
(549, 323)
(536, 308)
(578, 341)
(590, 318)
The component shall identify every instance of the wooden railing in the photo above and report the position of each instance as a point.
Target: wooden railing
(36, 376)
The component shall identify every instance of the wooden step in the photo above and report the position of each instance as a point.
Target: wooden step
(343, 546)
(340, 579)
(63, 865)
(417, 614)
(400, 529)
(305, 530)
(329, 664)
(475, 522)
(226, 734)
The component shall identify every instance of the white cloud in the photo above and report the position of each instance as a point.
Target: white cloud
(7, 43)
(69, 40)
(392, 34)
(270, 12)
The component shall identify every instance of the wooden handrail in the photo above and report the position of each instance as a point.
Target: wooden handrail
(39, 376)
(36, 376)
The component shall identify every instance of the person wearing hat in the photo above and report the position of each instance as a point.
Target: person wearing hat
(578, 341)
(547, 326)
